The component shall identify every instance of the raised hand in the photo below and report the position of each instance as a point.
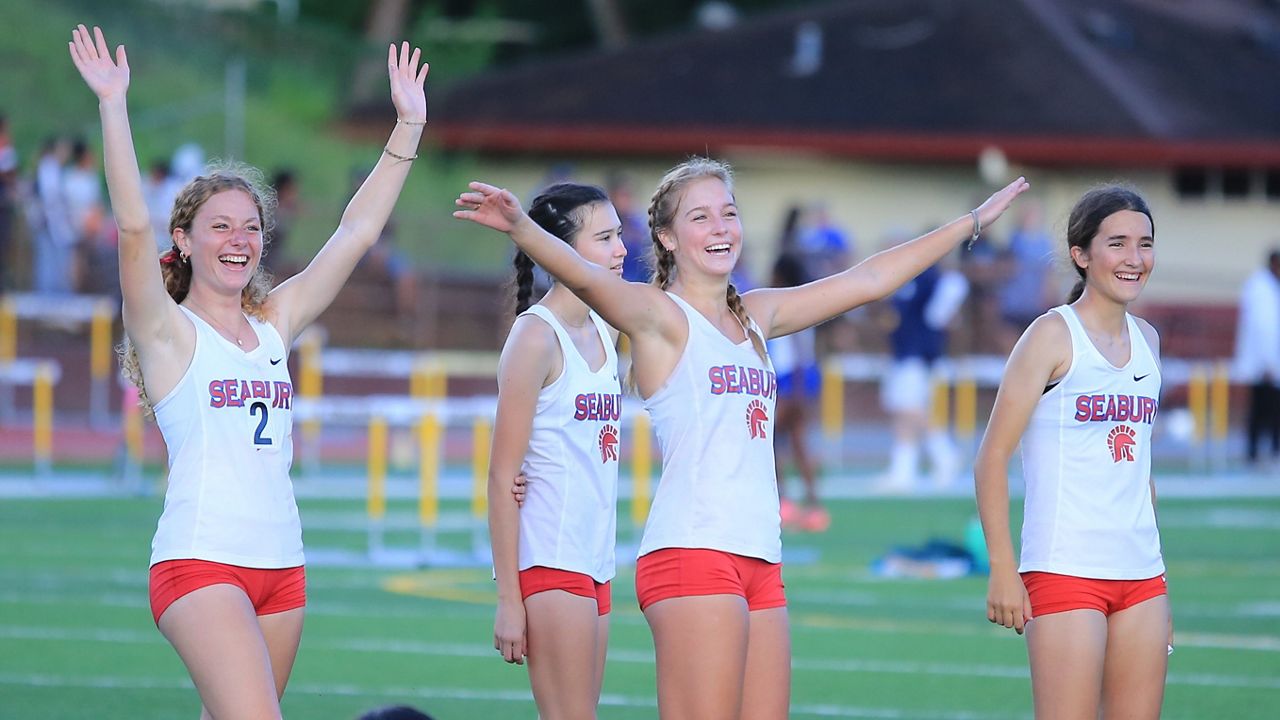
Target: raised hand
(490, 206)
(92, 58)
(407, 81)
(994, 206)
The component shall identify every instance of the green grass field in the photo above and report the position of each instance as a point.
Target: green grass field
(77, 641)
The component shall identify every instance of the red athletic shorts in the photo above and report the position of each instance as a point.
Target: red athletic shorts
(541, 579)
(270, 590)
(1051, 593)
(685, 572)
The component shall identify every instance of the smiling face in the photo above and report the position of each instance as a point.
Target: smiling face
(1120, 257)
(224, 241)
(705, 232)
(599, 237)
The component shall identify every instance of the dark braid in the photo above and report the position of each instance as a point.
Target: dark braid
(560, 210)
(523, 280)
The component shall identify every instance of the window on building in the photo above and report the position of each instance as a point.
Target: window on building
(1191, 182)
(1236, 182)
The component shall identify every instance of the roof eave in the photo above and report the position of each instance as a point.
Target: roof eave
(884, 146)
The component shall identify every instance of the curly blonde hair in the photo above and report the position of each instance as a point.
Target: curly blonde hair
(176, 268)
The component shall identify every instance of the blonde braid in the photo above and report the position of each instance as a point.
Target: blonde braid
(740, 311)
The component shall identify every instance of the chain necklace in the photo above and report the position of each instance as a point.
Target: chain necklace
(223, 328)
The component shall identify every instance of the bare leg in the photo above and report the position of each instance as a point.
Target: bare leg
(602, 646)
(283, 633)
(217, 635)
(564, 654)
(1137, 659)
(1067, 650)
(766, 692)
(701, 645)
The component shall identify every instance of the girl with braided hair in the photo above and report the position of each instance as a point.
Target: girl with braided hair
(211, 338)
(559, 404)
(709, 574)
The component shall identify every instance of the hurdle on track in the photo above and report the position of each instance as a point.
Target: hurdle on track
(429, 419)
(956, 381)
(97, 311)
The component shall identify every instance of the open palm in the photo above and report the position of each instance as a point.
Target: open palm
(93, 59)
(490, 206)
(407, 80)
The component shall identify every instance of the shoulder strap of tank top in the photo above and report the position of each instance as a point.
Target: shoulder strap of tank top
(1138, 338)
(567, 349)
(1079, 338)
(606, 338)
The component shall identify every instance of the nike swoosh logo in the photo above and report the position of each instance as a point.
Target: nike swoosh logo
(277, 362)
(1139, 378)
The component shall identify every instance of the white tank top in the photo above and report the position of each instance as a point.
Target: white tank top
(570, 513)
(228, 426)
(714, 422)
(1086, 458)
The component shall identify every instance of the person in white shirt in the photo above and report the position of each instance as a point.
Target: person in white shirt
(210, 338)
(1258, 356)
(709, 574)
(558, 425)
(1081, 391)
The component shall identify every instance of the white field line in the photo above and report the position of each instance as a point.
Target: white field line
(643, 657)
(473, 694)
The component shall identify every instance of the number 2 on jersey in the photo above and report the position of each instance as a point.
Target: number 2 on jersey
(258, 439)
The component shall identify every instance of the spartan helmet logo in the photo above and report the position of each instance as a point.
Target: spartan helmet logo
(608, 443)
(1120, 441)
(757, 419)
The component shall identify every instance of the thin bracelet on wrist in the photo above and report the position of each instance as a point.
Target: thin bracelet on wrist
(977, 228)
(398, 156)
(411, 122)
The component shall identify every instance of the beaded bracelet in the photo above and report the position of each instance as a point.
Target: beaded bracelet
(411, 122)
(398, 156)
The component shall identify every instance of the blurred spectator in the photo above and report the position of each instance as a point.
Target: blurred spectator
(795, 361)
(635, 228)
(160, 188)
(1258, 355)
(386, 258)
(8, 203)
(1027, 291)
(395, 712)
(825, 249)
(984, 266)
(925, 306)
(82, 189)
(54, 237)
(285, 183)
(188, 162)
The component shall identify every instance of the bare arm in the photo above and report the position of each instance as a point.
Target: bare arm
(149, 312)
(637, 309)
(300, 300)
(528, 361)
(1042, 353)
(782, 311)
